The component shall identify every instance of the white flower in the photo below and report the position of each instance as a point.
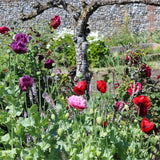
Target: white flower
(47, 46)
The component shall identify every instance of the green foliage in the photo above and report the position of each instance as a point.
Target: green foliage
(64, 50)
(155, 36)
(157, 50)
(98, 54)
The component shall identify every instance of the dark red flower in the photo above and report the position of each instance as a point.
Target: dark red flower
(131, 86)
(4, 70)
(50, 80)
(102, 86)
(116, 85)
(143, 104)
(146, 125)
(4, 30)
(80, 88)
(104, 124)
(40, 57)
(158, 77)
(146, 71)
(48, 53)
(133, 57)
(55, 21)
(49, 63)
(38, 34)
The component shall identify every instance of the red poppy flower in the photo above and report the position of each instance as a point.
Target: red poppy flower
(104, 124)
(82, 85)
(127, 58)
(158, 77)
(80, 88)
(102, 86)
(143, 104)
(146, 125)
(130, 89)
(116, 85)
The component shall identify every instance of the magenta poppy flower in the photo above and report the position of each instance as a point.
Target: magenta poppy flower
(18, 47)
(77, 102)
(48, 63)
(120, 105)
(131, 86)
(143, 104)
(25, 82)
(55, 21)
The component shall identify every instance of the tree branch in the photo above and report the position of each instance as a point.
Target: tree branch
(73, 11)
(88, 9)
(123, 2)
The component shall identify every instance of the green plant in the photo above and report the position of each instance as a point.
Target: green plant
(63, 50)
(98, 54)
(157, 50)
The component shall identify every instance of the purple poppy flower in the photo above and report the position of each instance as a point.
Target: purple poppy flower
(18, 47)
(22, 38)
(48, 63)
(25, 82)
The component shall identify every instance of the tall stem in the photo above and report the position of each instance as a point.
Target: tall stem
(39, 94)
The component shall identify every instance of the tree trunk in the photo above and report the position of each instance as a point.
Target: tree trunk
(81, 46)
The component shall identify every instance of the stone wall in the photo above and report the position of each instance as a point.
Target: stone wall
(107, 19)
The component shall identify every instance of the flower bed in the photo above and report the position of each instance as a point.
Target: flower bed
(45, 115)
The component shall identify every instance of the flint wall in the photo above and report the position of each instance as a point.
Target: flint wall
(107, 19)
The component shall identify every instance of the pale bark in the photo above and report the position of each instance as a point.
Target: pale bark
(81, 27)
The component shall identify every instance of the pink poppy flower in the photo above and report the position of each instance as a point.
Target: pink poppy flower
(77, 102)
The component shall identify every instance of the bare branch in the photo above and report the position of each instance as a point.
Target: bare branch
(73, 11)
(123, 2)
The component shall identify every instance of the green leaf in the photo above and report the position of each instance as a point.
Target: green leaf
(44, 146)
(27, 122)
(34, 109)
(15, 110)
(8, 154)
(5, 138)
